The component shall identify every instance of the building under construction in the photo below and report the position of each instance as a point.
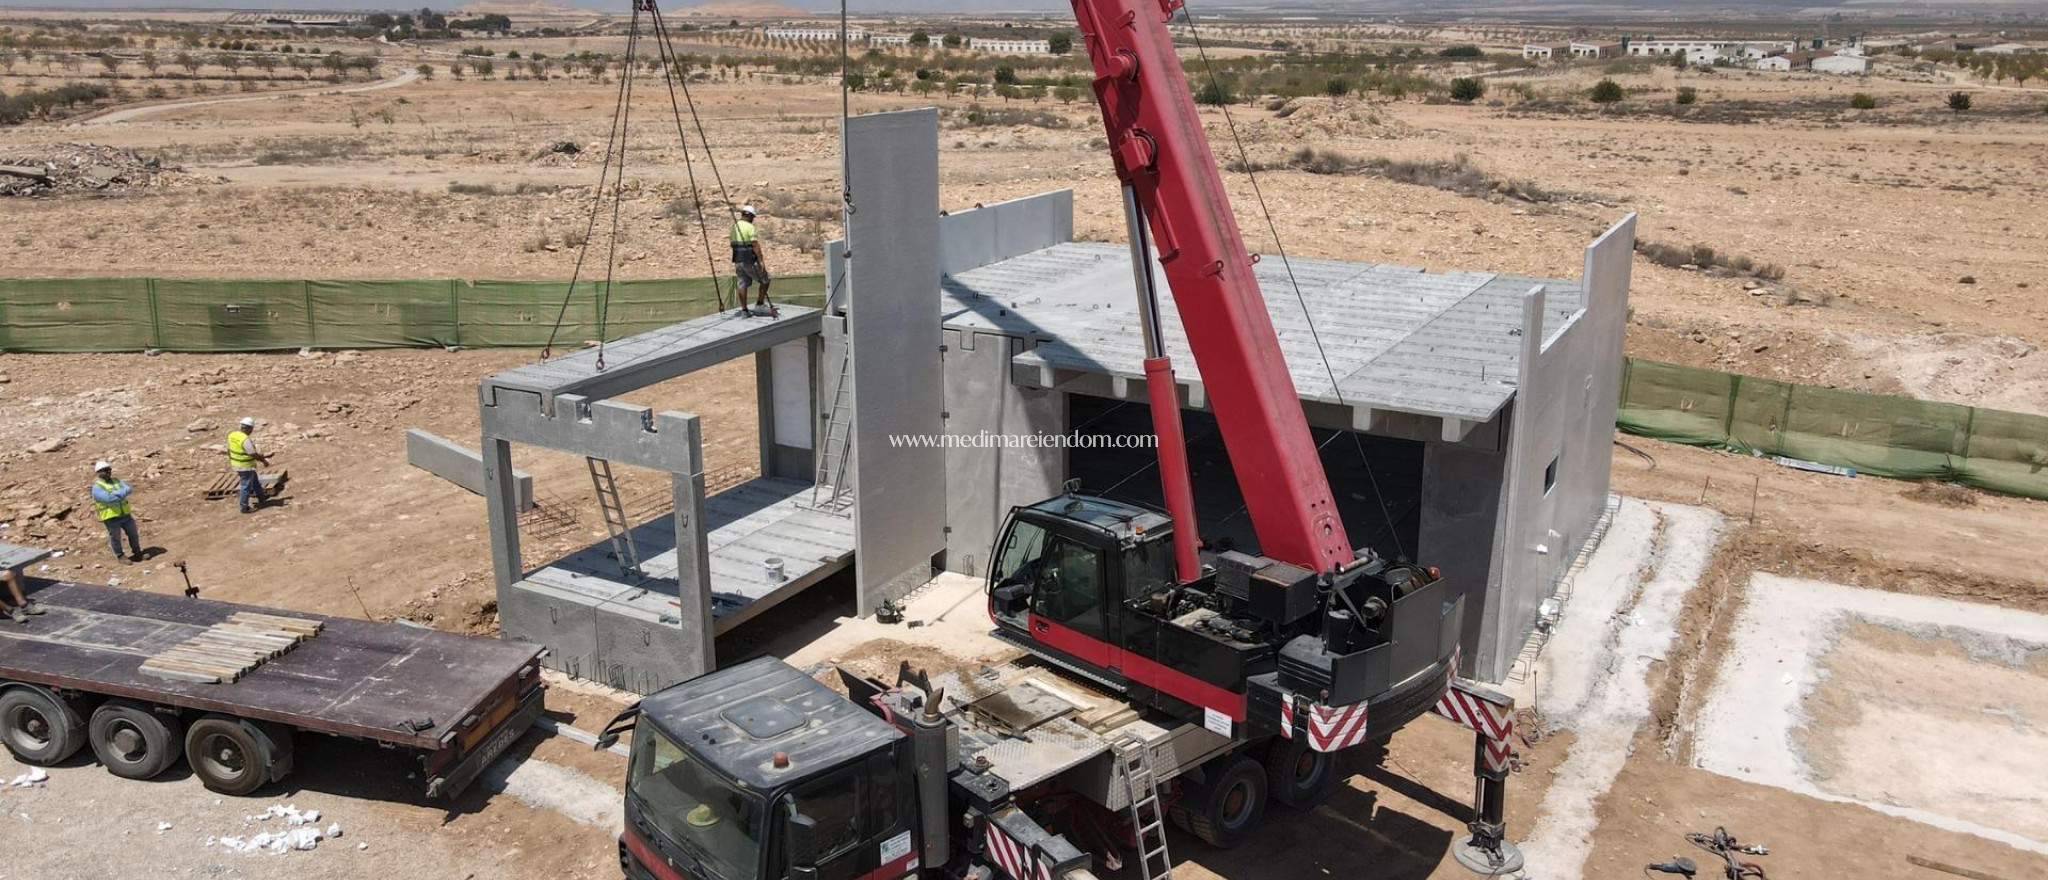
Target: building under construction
(1464, 418)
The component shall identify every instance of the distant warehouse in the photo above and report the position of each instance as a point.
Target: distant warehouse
(1846, 64)
(1010, 47)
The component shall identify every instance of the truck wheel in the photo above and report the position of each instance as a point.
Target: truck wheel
(1298, 776)
(1226, 808)
(134, 742)
(39, 727)
(233, 756)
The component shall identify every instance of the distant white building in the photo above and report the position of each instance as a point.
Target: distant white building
(1547, 51)
(1010, 47)
(814, 34)
(889, 40)
(2008, 49)
(1760, 51)
(1844, 64)
(1787, 62)
(1704, 47)
(1596, 50)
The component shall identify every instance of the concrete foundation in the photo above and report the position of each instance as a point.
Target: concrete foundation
(459, 464)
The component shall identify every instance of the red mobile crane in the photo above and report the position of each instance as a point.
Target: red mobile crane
(1186, 690)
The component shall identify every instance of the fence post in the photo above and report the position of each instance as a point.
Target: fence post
(455, 312)
(156, 321)
(312, 333)
(1728, 420)
(1956, 470)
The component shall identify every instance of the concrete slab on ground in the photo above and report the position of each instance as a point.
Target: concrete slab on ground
(1617, 624)
(1930, 709)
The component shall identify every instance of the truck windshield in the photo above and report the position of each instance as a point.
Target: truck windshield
(711, 819)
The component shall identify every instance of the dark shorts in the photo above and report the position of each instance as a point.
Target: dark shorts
(751, 273)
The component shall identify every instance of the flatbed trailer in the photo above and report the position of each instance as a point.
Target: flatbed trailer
(72, 677)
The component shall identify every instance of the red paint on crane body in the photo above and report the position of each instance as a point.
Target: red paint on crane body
(1156, 139)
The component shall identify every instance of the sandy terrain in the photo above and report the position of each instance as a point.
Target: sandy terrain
(1875, 216)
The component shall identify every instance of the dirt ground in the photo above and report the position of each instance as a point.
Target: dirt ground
(1877, 217)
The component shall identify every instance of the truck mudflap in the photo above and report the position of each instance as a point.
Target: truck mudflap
(451, 783)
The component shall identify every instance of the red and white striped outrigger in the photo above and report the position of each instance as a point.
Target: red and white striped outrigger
(1489, 714)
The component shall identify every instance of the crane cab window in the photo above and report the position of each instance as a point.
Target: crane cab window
(1067, 577)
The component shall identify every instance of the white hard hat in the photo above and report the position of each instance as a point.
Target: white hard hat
(101, 465)
(248, 421)
(747, 209)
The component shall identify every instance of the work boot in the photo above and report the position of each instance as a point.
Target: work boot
(17, 615)
(33, 608)
(743, 313)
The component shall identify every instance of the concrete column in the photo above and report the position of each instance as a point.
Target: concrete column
(693, 575)
(501, 500)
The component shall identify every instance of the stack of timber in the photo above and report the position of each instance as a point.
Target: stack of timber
(232, 648)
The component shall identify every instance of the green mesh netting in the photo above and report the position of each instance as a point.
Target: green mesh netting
(1875, 434)
(130, 314)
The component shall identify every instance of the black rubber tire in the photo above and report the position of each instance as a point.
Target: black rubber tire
(1227, 807)
(1298, 776)
(40, 727)
(233, 756)
(133, 742)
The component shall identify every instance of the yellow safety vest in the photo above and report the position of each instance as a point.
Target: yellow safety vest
(110, 510)
(743, 238)
(241, 459)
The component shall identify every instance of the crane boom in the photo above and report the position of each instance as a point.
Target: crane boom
(1162, 155)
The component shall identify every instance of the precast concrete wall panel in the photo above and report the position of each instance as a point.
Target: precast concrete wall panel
(976, 237)
(984, 482)
(893, 328)
(1560, 444)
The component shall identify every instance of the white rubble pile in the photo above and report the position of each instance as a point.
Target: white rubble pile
(35, 776)
(302, 832)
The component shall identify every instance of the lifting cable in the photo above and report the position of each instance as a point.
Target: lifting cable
(614, 139)
(676, 77)
(1273, 228)
(618, 137)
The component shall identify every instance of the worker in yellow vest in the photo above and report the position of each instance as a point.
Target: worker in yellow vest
(110, 499)
(749, 266)
(243, 456)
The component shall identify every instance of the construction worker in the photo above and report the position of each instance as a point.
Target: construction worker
(244, 457)
(748, 266)
(22, 607)
(110, 498)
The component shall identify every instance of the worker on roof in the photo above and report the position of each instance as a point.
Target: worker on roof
(22, 607)
(748, 266)
(110, 499)
(243, 456)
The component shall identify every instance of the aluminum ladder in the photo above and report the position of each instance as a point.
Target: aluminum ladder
(838, 440)
(614, 516)
(1148, 820)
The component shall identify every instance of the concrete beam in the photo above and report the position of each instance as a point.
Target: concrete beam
(619, 432)
(656, 356)
(459, 464)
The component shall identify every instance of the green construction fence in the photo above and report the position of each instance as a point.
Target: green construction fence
(1874, 434)
(207, 315)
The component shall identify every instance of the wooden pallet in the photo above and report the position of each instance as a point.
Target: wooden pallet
(232, 648)
(229, 486)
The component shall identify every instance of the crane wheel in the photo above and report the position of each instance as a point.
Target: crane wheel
(133, 742)
(40, 727)
(236, 757)
(1227, 807)
(1298, 776)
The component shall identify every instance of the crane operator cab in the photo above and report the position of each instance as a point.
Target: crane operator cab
(1088, 583)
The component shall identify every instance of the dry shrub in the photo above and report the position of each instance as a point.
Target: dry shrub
(1942, 494)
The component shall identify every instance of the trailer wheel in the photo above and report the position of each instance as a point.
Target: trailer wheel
(233, 756)
(1298, 776)
(39, 727)
(134, 742)
(1224, 809)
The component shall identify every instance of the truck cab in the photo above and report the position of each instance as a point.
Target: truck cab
(758, 772)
